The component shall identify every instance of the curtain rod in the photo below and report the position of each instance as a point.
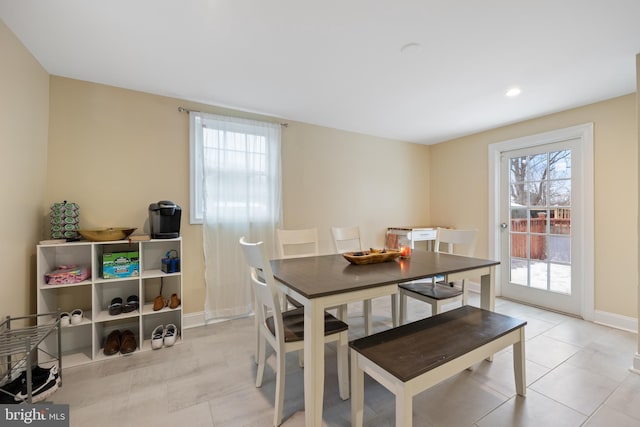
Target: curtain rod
(186, 110)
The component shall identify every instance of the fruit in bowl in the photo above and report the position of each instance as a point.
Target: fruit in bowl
(377, 251)
(371, 256)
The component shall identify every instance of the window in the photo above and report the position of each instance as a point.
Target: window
(235, 191)
(235, 168)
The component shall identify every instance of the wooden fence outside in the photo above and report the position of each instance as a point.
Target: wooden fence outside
(538, 241)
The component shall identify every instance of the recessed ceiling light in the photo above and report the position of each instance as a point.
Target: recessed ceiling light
(515, 91)
(410, 48)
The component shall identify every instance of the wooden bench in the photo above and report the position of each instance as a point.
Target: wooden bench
(411, 358)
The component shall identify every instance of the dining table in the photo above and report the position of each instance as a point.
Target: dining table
(323, 281)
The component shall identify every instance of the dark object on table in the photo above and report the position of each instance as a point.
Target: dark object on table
(164, 220)
(371, 257)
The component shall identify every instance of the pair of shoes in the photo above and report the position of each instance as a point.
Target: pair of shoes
(117, 307)
(164, 336)
(43, 383)
(160, 302)
(123, 342)
(73, 318)
(175, 301)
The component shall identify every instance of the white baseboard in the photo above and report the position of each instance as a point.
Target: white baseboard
(193, 320)
(617, 321)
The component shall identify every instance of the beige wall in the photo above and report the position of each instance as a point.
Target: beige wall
(24, 121)
(114, 151)
(460, 198)
(336, 178)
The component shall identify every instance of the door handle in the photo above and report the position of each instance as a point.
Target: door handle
(503, 225)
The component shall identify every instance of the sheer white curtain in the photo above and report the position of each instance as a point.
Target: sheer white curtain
(241, 190)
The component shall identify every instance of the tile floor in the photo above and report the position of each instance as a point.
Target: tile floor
(577, 375)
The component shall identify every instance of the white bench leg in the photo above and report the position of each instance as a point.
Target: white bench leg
(404, 409)
(357, 392)
(519, 367)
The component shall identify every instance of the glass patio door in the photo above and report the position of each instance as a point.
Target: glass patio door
(538, 235)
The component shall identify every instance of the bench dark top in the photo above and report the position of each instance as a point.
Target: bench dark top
(415, 348)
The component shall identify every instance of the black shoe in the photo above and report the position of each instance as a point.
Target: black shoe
(10, 390)
(44, 383)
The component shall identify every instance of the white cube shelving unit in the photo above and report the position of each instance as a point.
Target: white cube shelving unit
(83, 343)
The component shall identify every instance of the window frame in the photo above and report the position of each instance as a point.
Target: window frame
(197, 122)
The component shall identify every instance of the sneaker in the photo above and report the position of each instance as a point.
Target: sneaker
(44, 383)
(170, 335)
(9, 390)
(65, 319)
(157, 337)
(76, 316)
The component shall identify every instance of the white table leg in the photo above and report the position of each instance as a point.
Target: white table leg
(357, 392)
(313, 362)
(488, 293)
(402, 315)
(488, 290)
(342, 313)
(394, 310)
(519, 367)
(404, 409)
(366, 311)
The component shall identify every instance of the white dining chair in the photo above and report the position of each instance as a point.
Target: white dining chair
(300, 243)
(347, 239)
(437, 292)
(284, 330)
(297, 243)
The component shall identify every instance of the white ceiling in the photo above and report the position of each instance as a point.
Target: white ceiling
(338, 63)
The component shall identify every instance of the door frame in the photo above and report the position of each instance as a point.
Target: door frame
(585, 133)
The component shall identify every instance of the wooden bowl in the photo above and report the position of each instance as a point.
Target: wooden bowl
(106, 234)
(370, 258)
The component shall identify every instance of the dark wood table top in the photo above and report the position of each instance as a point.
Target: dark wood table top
(324, 275)
(415, 348)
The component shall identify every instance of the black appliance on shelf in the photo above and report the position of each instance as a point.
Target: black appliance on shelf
(164, 220)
